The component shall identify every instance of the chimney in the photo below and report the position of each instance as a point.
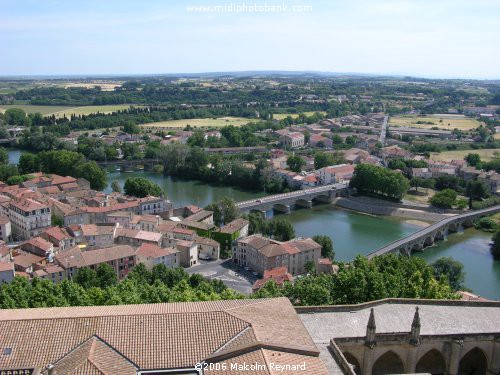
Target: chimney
(415, 329)
(371, 330)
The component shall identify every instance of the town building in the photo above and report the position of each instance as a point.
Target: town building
(156, 339)
(335, 174)
(261, 254)
(230, 232)
(7, 272)
(407, 336)
(292, 140)
(134, 237)
(151, 255)
(39, 246)
(96, 236)
(121, 258)
(59, 237)
(5, 229)
(28, 218)
(279, 275)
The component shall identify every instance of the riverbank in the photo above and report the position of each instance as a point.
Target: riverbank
(378, 207)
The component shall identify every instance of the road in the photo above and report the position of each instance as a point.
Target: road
(293, 194)
(226, 271)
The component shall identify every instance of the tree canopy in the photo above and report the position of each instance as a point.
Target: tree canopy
(141, 187)
(372, 179)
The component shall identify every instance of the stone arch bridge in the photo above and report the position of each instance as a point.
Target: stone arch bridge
(437, 231)
(285, 202)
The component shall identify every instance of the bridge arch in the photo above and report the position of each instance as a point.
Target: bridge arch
(281, 207)
(388, 363)
(429, 241)
(353, 361)
(432, 362)
(474, 362)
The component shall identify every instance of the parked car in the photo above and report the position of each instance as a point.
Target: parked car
(203, 256)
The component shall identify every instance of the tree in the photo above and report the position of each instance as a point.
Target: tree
(372, 179)
(115, 186)
(86, 277)
(131, 128)
(280, 229)
(472, 159)
(495, 247)
(444, 199)
(326, 246)
(28, 163)
(451, 270)
(141, 187)
(310, 267)
(4, 156)
(477, 190)
(295, 163)
(323, 159)
(105, 276)
(94, 174)
(16, 116)
(224, 210)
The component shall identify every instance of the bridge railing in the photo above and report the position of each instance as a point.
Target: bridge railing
(425, 231)
(297, 193)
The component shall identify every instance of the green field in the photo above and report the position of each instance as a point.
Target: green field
(200, 123)
(486, 155)
(28, 108)
(60, 111)
(447, 122)
(281, 116)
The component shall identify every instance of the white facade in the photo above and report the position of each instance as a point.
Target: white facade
(28, 218)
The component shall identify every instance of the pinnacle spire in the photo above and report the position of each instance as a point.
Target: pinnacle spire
(371, 330)
(415, 329)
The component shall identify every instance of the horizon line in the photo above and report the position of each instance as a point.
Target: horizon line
(235, 72)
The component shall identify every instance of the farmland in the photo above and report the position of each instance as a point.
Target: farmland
(200, 123)
(486, 154)
(443, 121)
(60, 111)
(281, 116)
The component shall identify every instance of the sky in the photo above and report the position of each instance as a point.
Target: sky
(423, 38)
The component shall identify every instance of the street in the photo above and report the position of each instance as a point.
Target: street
(226, 271)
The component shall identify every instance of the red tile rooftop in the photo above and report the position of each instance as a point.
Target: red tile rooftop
(154, 251)
(6, 267)
(27, 205)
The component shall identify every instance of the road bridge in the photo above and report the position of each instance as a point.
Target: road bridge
(285, 202)
(437, 231)
(128, 164)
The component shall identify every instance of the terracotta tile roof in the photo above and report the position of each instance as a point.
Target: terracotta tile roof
(49, 190)
(154, 336)
(6, 266)
(304, 244)
(206, 241)
(148, 250)
(166, 227)
(57, 233)
(97, 230)
(107, 254)
(26, 260)
(139, 234)
(272, 250)
(234, 226)
(94, 356)
(27, 205)
(200, 215)
(183, 231)
(39, 243)
(60, 180)
(71, 258)
(71, 185)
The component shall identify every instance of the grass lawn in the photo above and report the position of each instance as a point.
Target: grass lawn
(421, 196)
(281, 116)
(440, 121)
(486, 155)
(200, 122)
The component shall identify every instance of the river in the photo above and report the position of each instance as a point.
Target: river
(352, 233)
